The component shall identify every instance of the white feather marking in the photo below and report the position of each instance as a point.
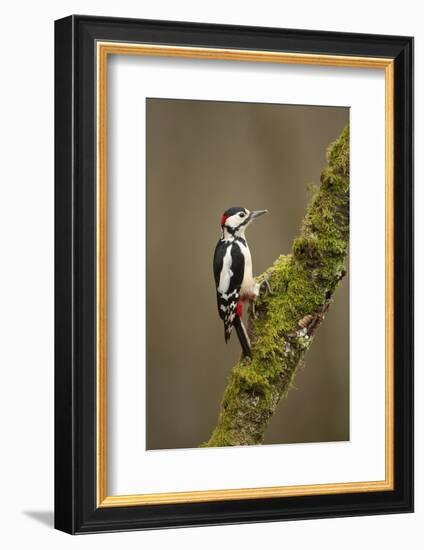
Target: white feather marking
(226, 273)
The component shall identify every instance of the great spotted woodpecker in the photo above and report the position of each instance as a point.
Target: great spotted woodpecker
(232, 267)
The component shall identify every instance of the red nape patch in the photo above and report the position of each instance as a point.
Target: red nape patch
(223, 219)
(239, 310)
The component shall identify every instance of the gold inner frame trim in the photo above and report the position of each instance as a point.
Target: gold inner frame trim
(104, 49)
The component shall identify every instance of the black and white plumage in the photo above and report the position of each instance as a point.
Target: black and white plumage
(232, 266)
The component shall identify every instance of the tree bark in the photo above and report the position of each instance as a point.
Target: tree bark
(302, 287)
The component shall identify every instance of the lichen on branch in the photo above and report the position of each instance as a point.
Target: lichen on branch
(302, 285)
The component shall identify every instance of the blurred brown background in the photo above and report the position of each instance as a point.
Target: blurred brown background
(202, 158)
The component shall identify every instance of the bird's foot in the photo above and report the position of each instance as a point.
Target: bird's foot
(253, 310)
(261, 287)
(264, 284)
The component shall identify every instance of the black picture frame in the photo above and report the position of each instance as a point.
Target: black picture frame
(76, 510)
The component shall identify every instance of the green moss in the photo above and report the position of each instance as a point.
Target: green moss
(302, 284)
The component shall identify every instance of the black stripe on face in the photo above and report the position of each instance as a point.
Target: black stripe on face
(245, 221)
(231, 230)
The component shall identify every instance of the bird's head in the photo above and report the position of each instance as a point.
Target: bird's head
(235, 220)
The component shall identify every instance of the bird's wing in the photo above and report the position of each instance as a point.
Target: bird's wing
(228, 267)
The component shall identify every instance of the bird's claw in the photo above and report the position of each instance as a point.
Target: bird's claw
(265, 282)
(258, 290)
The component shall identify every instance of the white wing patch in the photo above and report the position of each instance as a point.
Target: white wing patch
(226, 273)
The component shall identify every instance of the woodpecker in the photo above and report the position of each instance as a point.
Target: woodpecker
(232, 267)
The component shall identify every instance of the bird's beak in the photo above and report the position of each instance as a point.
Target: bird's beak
(256, 213)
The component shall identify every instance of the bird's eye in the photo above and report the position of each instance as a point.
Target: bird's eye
(242, 214)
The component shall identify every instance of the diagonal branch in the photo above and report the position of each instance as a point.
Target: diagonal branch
(302, 284)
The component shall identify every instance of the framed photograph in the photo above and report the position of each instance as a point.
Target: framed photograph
(234, 274)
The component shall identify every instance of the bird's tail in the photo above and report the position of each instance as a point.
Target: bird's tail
(242, 336)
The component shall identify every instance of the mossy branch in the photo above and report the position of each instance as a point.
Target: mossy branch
(302, 284)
